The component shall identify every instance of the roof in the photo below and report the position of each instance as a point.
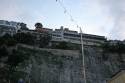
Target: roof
(6, 27)
(117, 74)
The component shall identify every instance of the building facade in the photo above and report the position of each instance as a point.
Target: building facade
(9, 27)
(64, 34)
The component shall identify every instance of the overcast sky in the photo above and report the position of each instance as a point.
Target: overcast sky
(100, 17)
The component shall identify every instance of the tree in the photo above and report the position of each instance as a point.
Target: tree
(25, 38)
(118, 47)
(23, 26)
(44, 40)
(7, 40)
(3, 52)
(38, 25)
(62, 45)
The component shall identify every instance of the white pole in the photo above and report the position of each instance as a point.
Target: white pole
(29, 80)
(83, 56)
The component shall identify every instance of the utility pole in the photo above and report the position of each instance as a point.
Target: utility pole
(83, 55)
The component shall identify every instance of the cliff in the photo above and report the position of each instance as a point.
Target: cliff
(65, 66)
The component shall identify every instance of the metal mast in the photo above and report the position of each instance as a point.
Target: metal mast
(83, 55)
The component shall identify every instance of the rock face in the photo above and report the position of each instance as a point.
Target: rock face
(53, 66)
(65, 66)
(101, 66)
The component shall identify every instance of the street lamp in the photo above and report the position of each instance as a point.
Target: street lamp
(83, 55)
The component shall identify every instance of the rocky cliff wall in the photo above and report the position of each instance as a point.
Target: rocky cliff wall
(65, 66)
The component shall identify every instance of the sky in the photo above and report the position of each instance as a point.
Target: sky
(99, 17)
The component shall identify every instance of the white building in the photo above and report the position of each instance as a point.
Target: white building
(9, 27)
(10, 23)
(64, 34)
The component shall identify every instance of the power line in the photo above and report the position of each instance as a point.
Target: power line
(67, 12)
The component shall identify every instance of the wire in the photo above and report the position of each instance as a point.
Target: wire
(68, 13)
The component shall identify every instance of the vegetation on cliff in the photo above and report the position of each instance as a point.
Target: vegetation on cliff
(11, 56)
(118, 47)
